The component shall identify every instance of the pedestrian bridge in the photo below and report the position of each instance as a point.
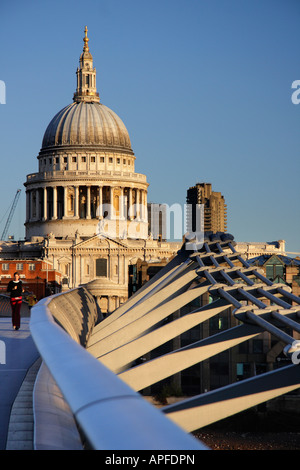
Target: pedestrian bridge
(87, 391)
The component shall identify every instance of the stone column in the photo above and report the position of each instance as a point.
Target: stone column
(100, 208)
(121, 204)
(37, 205)
(138, 212)
(65, 201)
(142, 206)
(88, 202)
(130, 205)
(31, 205)
(76, 203)
(145, 207)
(54, 217)
(27, 206)
(45, 205)
(109, 305)
(111, 202)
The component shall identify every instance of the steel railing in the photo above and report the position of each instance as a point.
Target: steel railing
(109, 413)
(98, 369)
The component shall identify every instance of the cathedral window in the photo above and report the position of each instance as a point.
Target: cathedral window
(65, 269)
(101, 267)
(274, 269)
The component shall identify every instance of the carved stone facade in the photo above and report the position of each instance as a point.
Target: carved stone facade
(86, 171)
(86, 207)
(251, 250)
(103, 264)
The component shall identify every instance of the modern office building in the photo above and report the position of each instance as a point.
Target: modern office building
(214, 208)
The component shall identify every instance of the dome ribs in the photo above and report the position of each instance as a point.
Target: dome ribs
(87, 124)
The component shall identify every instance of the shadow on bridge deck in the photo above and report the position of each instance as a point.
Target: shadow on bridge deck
(17, 354)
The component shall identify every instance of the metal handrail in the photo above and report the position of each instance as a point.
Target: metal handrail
(110, 414)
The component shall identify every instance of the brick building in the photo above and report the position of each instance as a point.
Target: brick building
(38, 276)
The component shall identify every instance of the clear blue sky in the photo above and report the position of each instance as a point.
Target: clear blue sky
(203, 87)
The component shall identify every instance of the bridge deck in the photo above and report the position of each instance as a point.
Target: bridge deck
(18, 354)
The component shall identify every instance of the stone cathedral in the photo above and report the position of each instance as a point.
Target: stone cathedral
(86, 205)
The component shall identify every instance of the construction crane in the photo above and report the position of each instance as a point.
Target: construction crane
(10, 215)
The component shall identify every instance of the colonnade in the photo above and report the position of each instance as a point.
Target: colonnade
(108, 303)
(85, 202)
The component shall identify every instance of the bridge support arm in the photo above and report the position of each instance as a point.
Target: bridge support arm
(109, 412)
(218, 404)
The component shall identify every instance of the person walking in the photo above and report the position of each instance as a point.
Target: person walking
(15, 288)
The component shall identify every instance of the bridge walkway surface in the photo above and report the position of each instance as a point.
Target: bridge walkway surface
(19, 363)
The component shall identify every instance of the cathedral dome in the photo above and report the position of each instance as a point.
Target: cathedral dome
(86, 178)
(87, 123)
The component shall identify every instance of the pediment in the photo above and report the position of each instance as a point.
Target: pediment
(64, 259)
(274, 259)
(101, 241)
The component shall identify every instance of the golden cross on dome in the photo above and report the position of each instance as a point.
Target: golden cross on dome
(86, 76)
(85, 40)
